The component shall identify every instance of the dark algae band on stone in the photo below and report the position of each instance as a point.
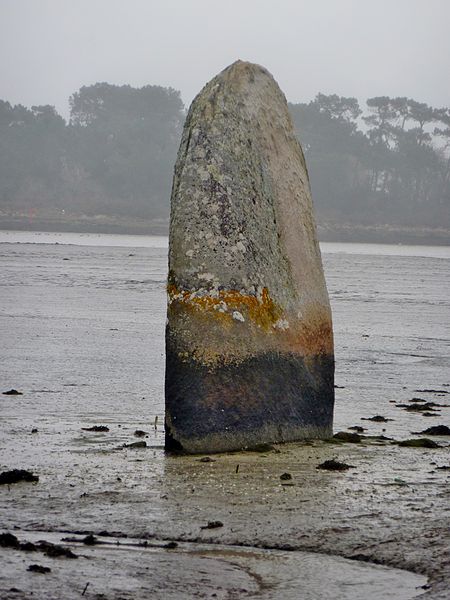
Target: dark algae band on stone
(269, 397)
(249, 341)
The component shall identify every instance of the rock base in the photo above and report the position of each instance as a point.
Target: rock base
(267, 398)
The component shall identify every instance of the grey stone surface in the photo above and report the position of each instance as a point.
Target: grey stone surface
(247, 294)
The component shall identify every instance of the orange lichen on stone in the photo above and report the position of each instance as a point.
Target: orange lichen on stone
(263, 311)
(272, 328)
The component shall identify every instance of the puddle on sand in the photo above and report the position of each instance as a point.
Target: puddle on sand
(197, 571)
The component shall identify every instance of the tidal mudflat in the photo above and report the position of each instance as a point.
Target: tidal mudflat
(82, 329)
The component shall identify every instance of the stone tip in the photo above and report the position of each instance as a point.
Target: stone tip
(243, 67)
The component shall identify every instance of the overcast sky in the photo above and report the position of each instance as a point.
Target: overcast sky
(362, 48)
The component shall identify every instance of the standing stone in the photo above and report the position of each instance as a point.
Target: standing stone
(249, 341)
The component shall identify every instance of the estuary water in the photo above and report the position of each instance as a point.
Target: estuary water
(87, 312)
(82, 321)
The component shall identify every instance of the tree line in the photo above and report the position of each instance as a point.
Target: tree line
(386, 164)
(115, 156)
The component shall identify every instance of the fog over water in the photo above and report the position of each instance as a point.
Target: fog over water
(357, 48)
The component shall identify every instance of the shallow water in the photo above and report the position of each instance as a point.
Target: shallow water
(82, 330)
(205, 571)
(83, 326)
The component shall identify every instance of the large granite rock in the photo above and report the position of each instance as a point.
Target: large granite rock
(249, 342)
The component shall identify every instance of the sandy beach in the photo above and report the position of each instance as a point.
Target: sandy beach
(82, 330)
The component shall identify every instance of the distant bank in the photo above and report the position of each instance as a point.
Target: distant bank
(327, 231)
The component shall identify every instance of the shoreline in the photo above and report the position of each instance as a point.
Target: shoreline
(327, 232)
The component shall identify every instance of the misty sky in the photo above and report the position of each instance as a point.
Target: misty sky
(362, 48)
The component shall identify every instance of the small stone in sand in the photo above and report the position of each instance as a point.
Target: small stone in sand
(140, 433)
(136, 445)
(285, 476)
(12, 392)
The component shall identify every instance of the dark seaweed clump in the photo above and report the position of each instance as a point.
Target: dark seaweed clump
(8, 540)
(436, 430)
(96, 428)
(38, 569)
(345, 436)
(376, 419)
(418, 443)
(213, 525)
(16, 475)
(334, 465)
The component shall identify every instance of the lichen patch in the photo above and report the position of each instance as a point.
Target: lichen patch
(232, 304)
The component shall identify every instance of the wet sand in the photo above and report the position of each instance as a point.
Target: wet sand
(83, 341)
